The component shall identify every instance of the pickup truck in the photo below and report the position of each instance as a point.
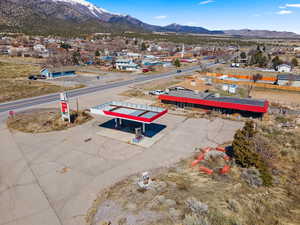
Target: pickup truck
(157, 92)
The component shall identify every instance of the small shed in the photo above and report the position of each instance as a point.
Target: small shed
(288, 80)
(51, 73)
(231, 88)
(284, 68)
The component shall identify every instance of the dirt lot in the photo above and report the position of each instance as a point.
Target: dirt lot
(225, 69)
(287, 98)
(44, 120)
(142, 90)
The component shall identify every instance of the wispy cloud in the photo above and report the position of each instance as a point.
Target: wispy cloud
(292, 5)
(297, 5)
(206, 2)
(160, 17)
(284, 12)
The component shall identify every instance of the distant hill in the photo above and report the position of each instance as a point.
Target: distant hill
(75, 17)
(187, 29)
(262, 33)
(68, 17)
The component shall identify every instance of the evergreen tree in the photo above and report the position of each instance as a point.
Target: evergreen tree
(243, 55)
(258, 48)
(97, 53)
(243, 146)
(177, 63)
(76, 57)
(294, 62)
(245, 153)
(143, 47)
(258, 58)
(276, 62)
(65, 46)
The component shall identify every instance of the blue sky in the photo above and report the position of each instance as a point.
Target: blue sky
(281, 15)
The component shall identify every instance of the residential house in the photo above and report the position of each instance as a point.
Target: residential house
(288, 80)
(297, 49)
(231, 88)
(39, 48)
(284, 68)
(51, 73)
(126, 65)
(133, 55)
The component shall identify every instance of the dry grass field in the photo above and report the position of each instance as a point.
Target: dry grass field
(13, 71)
(20, 60)
(15, 85)
(289, 98)
(44, 120)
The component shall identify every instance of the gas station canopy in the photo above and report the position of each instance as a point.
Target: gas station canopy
(129, 111)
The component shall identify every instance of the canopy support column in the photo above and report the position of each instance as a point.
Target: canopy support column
(144, 128)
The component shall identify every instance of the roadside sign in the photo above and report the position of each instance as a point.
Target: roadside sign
(11, 113)
(64, 106)
(65, 111)
(64, 96)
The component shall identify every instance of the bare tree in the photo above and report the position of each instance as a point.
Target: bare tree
(291, 79)
(257, 77)
(60, 59)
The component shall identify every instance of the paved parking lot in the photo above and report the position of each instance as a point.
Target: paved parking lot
(90, 80)
(53, 178)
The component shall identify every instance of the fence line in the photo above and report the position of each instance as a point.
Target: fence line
(270, 86)
(246, 77)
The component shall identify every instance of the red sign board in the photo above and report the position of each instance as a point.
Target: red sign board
(64, 107)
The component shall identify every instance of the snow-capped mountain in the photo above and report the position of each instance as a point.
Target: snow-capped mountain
(75, 17)
(93, 9)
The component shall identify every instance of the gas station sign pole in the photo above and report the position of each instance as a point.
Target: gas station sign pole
(65, 107)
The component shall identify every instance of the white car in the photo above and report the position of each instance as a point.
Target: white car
(157, 92)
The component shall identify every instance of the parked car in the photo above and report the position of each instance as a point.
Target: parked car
(178, 88)
(32, 77)
(157, 92)
(146, 70)
(179, 71)
(42, 77)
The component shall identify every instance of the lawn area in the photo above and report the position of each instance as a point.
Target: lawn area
(15, 85)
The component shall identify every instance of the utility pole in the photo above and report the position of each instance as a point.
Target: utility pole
(77, 104)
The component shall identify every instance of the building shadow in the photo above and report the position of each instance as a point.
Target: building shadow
(130, 126)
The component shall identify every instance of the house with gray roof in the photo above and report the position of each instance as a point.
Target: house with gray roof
(288, 80)
(51, 73)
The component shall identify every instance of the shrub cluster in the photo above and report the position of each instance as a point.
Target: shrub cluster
(246, 154)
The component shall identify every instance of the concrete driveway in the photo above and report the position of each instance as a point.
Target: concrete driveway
(53, 178)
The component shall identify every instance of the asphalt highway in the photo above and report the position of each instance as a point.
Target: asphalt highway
(24, 103)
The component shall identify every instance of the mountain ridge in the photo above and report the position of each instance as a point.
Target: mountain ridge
(75, 17)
